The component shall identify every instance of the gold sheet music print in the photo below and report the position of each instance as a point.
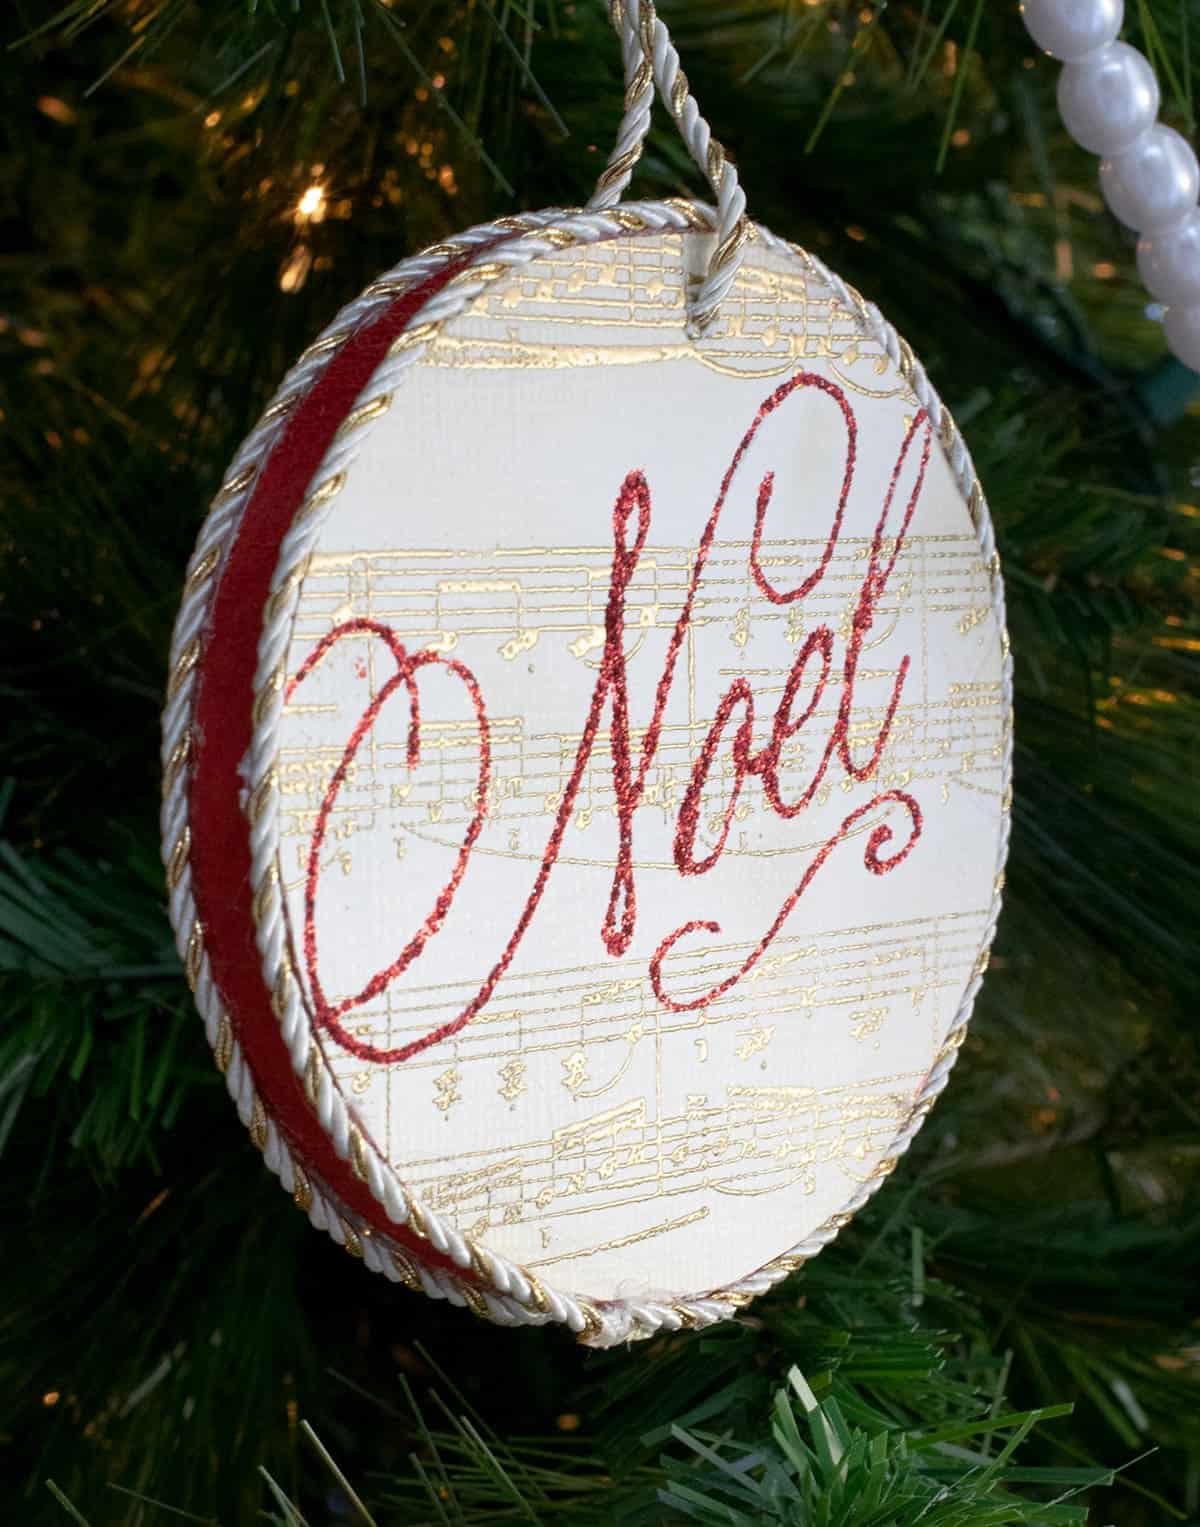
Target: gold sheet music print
(641, 769)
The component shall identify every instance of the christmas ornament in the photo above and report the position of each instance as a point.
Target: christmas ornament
(1109, 98)
(587, 757)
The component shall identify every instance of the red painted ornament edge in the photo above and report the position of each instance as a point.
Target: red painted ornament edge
(221, 734)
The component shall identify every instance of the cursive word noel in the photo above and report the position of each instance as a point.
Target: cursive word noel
(733, 728)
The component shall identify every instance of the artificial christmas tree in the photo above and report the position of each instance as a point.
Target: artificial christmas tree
(171, 1333)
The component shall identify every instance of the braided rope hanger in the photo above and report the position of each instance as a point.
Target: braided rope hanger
(650, 58)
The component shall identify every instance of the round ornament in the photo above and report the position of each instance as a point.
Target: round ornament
(587, 759)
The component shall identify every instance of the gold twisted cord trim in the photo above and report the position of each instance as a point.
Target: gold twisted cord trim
(715, 164)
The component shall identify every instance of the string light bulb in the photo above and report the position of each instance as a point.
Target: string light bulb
(295, 269)
(311, 206)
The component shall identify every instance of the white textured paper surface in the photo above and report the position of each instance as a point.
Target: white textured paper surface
(577, 1124)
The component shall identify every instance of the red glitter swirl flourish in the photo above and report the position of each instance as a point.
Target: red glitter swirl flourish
(633, 504)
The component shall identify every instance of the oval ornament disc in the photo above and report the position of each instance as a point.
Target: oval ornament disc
(625, 794)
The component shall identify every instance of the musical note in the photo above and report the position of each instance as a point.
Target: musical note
(575, 1066)
(866, 1021)
(601, 1129)
(512, 1081)
(446, 1092)
(524, 641)
(587, 641)
(755, 1040)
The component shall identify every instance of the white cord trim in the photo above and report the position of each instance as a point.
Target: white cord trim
(650, 58)
(515, 1297)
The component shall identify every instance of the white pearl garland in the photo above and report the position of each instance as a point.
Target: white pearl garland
(1154, 182)
(1109, 99)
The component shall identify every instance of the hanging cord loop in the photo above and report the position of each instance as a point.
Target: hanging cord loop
(650, 58)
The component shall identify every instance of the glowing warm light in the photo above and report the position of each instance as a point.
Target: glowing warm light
(1104, 270)
(58, 111)
(568, 1422)
(212, 119)
(51, 1397)
(856, 233)
(155, 1203)
(961, 138)
(295, 269)
(311, 203)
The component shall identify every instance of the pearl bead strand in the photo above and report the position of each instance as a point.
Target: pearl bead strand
(1109, 98)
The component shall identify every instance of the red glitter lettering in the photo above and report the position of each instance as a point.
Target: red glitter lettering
(629, 775)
